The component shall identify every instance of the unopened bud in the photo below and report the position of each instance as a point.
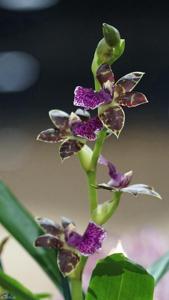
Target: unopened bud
(111, 35)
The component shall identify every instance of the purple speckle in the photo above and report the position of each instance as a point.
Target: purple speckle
(92, 239)
(89, 99)
(87, 129)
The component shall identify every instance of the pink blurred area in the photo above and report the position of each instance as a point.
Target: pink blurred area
(143, 247)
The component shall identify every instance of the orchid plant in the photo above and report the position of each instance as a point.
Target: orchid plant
(59, 248)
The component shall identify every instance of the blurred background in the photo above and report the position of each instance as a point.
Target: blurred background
(46, 49)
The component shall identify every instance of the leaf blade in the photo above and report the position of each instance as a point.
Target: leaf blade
(20, 223)
(116, 277)
(15, 288)
(160, 267)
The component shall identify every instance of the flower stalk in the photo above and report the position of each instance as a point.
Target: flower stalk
(73, 131)
(76, 289)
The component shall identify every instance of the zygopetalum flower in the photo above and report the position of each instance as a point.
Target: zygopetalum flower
(71, 130)
(70, 244)
(111, 97)
(121, 182)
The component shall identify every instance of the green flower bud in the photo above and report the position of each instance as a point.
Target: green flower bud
(111, 35)
(104, 211)
(108, 50)
(85, 156)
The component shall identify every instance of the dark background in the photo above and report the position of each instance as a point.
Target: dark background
(63, 39)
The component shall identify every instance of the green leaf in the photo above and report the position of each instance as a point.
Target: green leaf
(118, 278)
(15, 288)
(20, 223)
(160, 267)
(44, 296)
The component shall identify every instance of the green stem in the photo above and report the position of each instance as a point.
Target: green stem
(76, 280)
(77, 292)
(91, 174)
(97, 149)
(92, 191)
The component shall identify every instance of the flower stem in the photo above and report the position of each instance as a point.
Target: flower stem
(98, 148)
(76, 285)
(76, 280)
(91, 174)
(92, 191)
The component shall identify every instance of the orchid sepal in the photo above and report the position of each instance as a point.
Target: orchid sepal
(113, 118)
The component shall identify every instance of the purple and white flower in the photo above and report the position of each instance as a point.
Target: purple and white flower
(71, 130)
(121, 182)
(111, 97)
(69, 243)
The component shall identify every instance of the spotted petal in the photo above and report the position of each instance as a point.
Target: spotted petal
(50, 226)
(88, 129)
(67, 261)
(83, 114)
(49, 241)
(66, 222)
(70, 147)
(143, 189)
(60, 119)
(113, 118)
(129, 81)
(51, 135)
(105, 77)
(132, 99)
(90, 242)
(89, 99)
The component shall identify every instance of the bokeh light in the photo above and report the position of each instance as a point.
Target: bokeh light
(27, 4)
(18, 71)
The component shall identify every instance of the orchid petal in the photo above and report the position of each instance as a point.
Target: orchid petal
(74, 239)
(143, 189)
(87, 129)
(49, 241)
(129, 81)
(105, 186)
(92, 239)
(113, 118)
(70, 147)
(132, 99)
(51, 135)
(105, 77)
(118, 180)
(89, 99)
(50, 226)
(66, 222)
(67, 261)
(83, 114)
(60, 119)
